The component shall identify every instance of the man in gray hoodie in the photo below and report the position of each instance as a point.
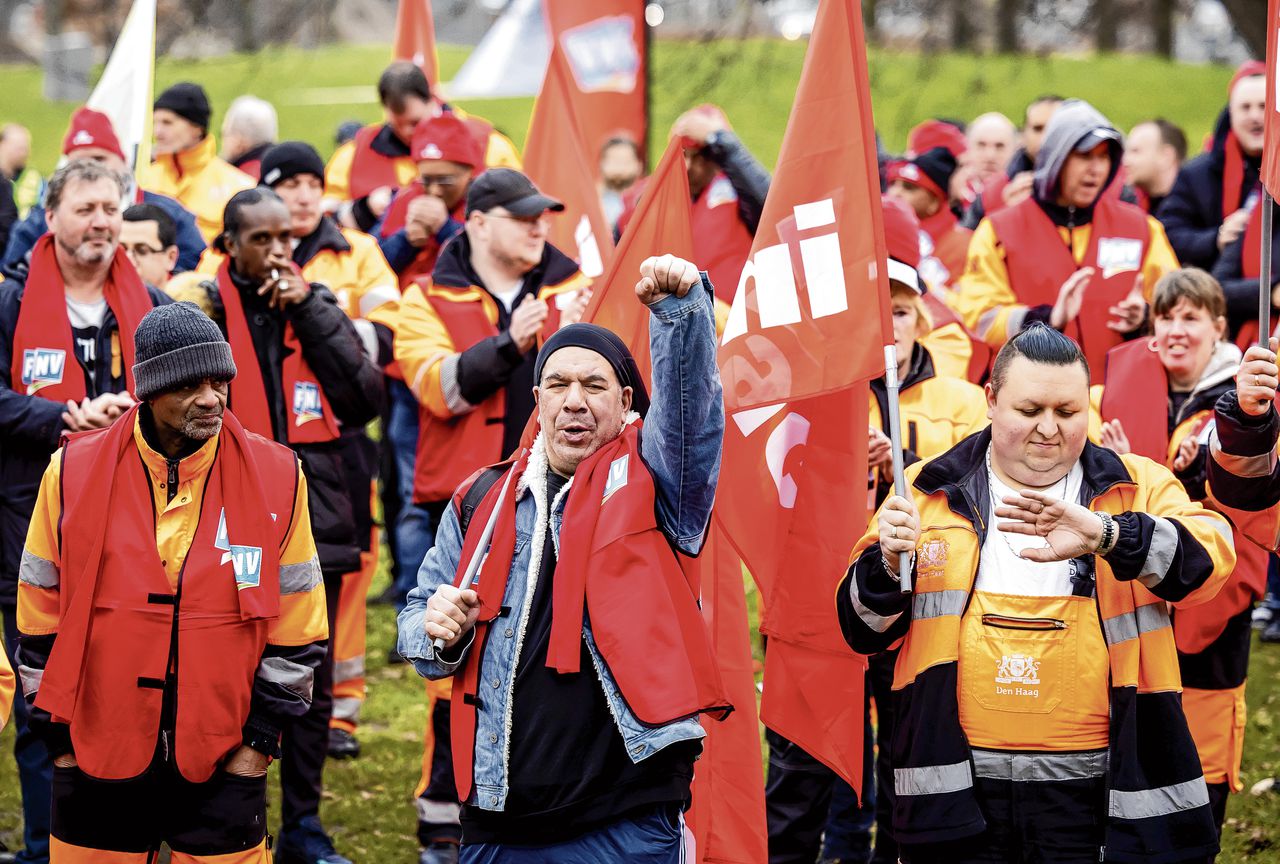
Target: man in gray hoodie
(1073, 255)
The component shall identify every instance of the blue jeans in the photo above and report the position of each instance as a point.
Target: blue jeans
(654, 837)
(35, 768)
(414, 531)
(1272, 598)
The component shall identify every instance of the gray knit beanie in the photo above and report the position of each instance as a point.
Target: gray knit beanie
(176, 345)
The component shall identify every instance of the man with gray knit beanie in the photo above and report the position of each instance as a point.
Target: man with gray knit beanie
(213, 622)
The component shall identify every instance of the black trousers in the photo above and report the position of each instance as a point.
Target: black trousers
(225, 814)
(305, 744)
(1049, 822)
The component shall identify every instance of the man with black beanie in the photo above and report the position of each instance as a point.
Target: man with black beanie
(350, 264)
(210, 613)
(922, 183)
(597, 627)
(186, 165)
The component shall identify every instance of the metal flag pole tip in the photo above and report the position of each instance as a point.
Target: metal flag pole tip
(895, 441)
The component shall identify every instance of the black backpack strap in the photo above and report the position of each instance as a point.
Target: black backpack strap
(480, 488)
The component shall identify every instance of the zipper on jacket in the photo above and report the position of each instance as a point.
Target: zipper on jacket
(1011, 622)
(172, 479)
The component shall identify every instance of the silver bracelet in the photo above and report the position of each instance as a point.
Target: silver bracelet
(1110, 533)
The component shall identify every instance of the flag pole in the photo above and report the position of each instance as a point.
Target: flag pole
(1264, 274)
(895, 442)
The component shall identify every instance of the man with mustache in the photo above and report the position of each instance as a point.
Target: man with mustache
(66, 356)
(579, 657)
(1072, 255)
(173, 616)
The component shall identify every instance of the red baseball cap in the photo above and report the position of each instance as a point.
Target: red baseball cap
(91, 128)
(448, 138)
(936, 133)
(902, 239)
(909, 171)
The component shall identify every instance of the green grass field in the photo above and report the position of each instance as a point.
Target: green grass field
(369, 801)
(753, 80)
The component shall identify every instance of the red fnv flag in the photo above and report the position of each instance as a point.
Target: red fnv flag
(727, 817)
(604, 43)
(560, 165)
(793, 487)
(415, 39)
(801, 322)
(660, 225)
(1271, 147)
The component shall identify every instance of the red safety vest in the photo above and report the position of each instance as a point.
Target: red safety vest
(721, 242)
(950, 241)
(1039, 261)
(617, 565)
(449, 450)
(106, 674)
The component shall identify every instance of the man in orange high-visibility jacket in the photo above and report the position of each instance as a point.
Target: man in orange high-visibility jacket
(173, 617)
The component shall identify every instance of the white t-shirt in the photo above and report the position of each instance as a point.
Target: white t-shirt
(508, 297)
(1001, 570)
(84, 316)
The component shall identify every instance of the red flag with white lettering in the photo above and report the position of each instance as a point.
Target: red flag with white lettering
(559, 164)
(727, 817)
(415, 39)
(1271, 149)
(604, 43)
(660, 225)
(808, 317)
(793, 486)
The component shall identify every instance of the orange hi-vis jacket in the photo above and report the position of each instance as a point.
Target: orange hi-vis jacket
(439, 319)
(1170, 551)
(1019, 258)
(199, 180)
(1213, 638)
(176, 628)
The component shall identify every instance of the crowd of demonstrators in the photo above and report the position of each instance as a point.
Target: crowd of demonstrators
(407, 280)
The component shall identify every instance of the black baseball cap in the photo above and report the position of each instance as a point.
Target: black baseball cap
(506, 187)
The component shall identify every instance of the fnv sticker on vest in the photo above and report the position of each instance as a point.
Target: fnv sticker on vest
(306, 403)
(1118, 255)
(246, 561)
(42, 367)
(617, 475)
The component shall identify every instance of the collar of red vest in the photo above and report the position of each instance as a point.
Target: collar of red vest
(189, 467)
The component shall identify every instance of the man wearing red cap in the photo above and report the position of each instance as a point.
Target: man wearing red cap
(728, 186)
(91, 137)
(1215, 194)
(427, 213)
(363, 174)
(921, 184)
(66, 350)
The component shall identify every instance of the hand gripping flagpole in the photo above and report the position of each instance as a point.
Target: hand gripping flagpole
(482, 548)
(1264, 272)
(895, 442)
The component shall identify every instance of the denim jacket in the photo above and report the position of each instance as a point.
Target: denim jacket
(681, 443)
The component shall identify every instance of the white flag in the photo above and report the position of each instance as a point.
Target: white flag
(124, 92)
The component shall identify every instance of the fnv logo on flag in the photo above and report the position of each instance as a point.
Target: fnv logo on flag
(617, 476)
(602, 54)
(306, 403)
(246, 561)
(42, 367)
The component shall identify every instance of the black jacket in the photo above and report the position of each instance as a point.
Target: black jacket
(351, 383)
(1192, 213)
(30, 427)
(1241, 291)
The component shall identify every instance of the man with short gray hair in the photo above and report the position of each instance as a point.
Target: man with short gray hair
(248, 131)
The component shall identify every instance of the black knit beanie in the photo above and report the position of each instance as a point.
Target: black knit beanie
(289, 159)
(188, 101)
(938, 165)
(176, 345)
